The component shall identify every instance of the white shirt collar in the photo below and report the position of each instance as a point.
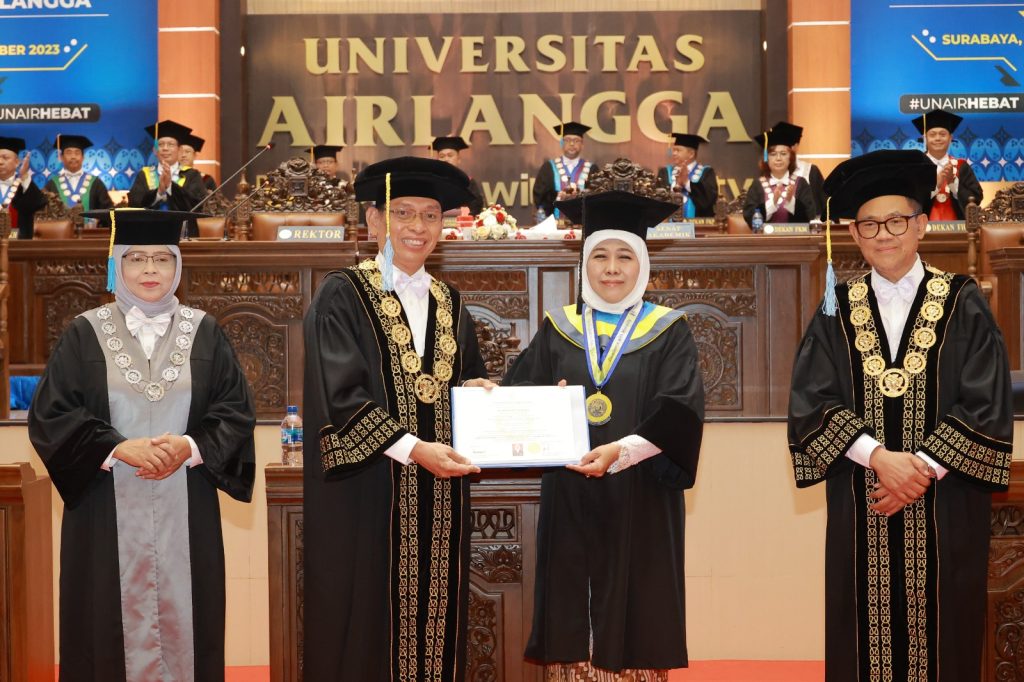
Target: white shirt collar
(571, 163)
(939, 162)
(915, 275)
(784, 180)
(75, 175)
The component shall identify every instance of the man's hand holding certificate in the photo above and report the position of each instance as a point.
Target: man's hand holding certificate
(520, 426)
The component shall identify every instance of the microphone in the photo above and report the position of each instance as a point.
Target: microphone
(264, 148)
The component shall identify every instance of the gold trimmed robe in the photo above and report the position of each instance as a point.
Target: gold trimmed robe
(905, 595)
(386, 546)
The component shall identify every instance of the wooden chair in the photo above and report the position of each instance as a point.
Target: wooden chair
(999, 225)
(296, 193)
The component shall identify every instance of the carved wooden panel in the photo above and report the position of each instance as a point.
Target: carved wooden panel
(484, 656)
(497, 563)
(718, 347)
(1003, 657)
(261, 348)
(494, 523)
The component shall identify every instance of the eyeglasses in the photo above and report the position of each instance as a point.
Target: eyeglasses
(162, 261)
(407, 215)
(895, 225)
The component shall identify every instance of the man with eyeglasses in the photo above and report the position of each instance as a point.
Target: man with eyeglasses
(901, 404)
(386, 527)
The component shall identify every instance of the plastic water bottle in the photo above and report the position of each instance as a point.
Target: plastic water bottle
(757, 222)
(540, 216)
(291, 437)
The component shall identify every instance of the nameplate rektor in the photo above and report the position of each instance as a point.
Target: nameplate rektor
(310, 233)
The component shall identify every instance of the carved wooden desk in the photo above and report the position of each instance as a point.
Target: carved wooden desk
(748, 300)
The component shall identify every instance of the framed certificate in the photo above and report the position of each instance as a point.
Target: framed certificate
(520, 426)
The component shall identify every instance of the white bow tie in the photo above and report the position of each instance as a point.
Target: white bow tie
(886, 291)
(418, 284)
(135, 320)
(776, 181)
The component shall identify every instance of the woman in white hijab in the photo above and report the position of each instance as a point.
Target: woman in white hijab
(609, 602)
(142, 415)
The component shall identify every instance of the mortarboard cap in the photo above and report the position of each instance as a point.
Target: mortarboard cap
(616, 210)
(456, 143)
(169, 128)
(903, 172)
(413, 176)
(687, 140)
(15, 144)
(937, 118)
(571, 128)
(73, 142)
(195, 142)
(321, 151)
(141, 227)
(788, 131)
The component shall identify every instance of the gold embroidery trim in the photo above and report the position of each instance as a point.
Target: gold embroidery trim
(360, 440)
(811, 462)
(968, 455)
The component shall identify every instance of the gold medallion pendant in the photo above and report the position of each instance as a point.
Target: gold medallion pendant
(401, 334)
(427, 389)
(860, 315)
(932, 311)
(924, 337)
(444, 318)
(599, 409)
(865, 341)
(390, 306)
(858, 292)
(894, 382)
(938, 287)
(874, 365)
(914, 362)
(443, 370)
(448, 344)
(411, 362)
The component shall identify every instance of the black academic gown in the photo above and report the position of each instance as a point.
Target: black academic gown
(817, 182)
(69, 426)
(804, 209)
(924, 569)
(25, 203)
(98, 198)
(544, 192)
(969, 187)
(386, 546)
(477, 204)
(616, 542)
(703, 194)
(183, 197)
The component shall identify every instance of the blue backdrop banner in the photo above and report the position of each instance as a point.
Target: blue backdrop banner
(964, 56)
(84, 67)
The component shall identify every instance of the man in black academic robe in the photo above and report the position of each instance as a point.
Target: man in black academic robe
(449, 149)
(562, 176)
(955, 183)
(687, 176)
(18, 194)
(386, 509)
(73, 184)
(167, 186)
(911, 437)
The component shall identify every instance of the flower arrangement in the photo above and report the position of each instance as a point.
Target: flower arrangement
(494, 222)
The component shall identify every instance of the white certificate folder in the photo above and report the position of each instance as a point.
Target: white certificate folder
(520, 426)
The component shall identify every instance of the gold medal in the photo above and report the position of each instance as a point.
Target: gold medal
(860, 315)
(865, 341)
(938, 287)
(924, 337)
(411, 362)
(401, 335)
(444, 318)
(893, 382)
(932, 311)
(858, 292)
(914, 362)
(443, 370)
(427, 389)
(599, 409)
(368, 264)
(377, 280)
(390, 306)
(447, 344)
(874, 365)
